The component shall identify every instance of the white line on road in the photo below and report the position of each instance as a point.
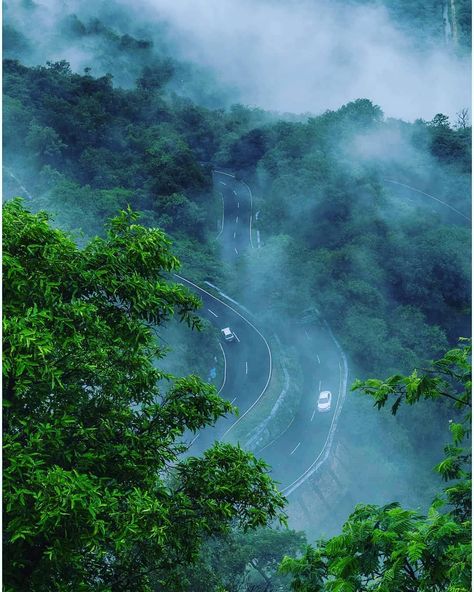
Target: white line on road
(428, 195)
(22, 187)
(295, 448)
(225, 369)
(278, 437)
(233, 400)
(194, 440)
(223, 208)
(319, 361)
(251, 209)
(246, 368)
(319, 386)
(234, 192)
(312, 417)
(212, 312)
(307, 335)
(238, 204)
(234, 234)
(180, 277)
(235, 335)
(222, 183)
(222, 173)
(236, 252)
(237, 220)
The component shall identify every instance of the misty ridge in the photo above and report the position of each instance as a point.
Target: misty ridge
(299, 57)
(334, 138)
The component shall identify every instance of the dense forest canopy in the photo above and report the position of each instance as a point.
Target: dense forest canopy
(80, 142)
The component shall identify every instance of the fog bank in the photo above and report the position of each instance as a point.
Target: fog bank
(299, 57)
(313, 56)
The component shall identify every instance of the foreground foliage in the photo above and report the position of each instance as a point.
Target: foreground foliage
(96, 493)
(391, 549)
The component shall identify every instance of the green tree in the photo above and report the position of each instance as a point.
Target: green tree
(243, 561)
(44, 142)
(179, 214)
(97, 494)
(156, 76)
(391, 549)
(247, 150)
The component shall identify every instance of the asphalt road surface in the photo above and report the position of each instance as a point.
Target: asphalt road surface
(304, 439)
(446, 211)
(248, 363)
(235, 235)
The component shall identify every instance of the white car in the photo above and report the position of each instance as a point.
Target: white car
(227, 333)
(324, 401)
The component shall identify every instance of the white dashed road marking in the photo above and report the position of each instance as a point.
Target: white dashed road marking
(312, 417)
(194, 440)
(235, 335)
(246, 368)
(319, 361)
(237, 220)
(236, 252)
(295, 448)
(212, 312)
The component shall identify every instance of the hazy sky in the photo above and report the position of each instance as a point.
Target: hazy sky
(304, 56)
(298, 56)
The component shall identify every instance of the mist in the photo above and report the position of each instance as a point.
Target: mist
(302, 57)
(313, 56)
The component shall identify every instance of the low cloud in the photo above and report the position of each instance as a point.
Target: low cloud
(313, 56)
(287, 56)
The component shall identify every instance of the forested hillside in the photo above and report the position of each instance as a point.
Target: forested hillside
(335, 231)
(98, 495)
(85, 148)
(394, 272)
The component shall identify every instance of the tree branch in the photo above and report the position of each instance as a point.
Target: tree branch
(254, 564)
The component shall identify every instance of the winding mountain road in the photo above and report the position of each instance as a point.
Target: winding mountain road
(235, 235)
(294, 455)
(305, 443)
(248, 361)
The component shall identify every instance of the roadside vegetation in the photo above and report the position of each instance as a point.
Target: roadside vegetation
(392, 548)
(279, 404)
